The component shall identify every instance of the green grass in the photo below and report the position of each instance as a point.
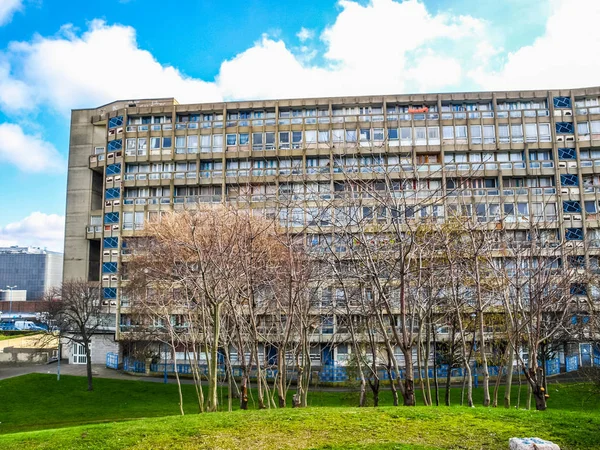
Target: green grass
(15, 334)
(39, 402)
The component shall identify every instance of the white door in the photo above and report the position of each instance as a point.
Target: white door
(79, 356)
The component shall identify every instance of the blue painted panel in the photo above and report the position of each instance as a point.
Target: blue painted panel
(111, 242)
(115, 122)
(570, 206)
(111, 217)
(569, 179)
(566, 153)
(113, 169)
(574, 234)
(109, 292)
(564, 128)
(113, 193)
(109, 267)
(117, 144)
(562, 102)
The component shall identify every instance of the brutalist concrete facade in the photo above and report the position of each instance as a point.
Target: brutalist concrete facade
(130, 160)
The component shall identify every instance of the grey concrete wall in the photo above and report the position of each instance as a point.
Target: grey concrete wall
(101, 345)
(84, 136)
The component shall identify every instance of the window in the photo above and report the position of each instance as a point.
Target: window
(323, 136)
(350, 135)
(448, 133)
(284, 139)
(365, 134)
(154, 143)
(475, 134)
(420, 136)
(244, 139)
(461, 132)
(540, 156)
(406, 136)
(503, 134)
(433, 135)
(167, 142)
(516, 132)
(378, 134)
(296, 139)
(217, 143)
(590, 207)
(544, 129)
(583, 128)
(531, 130)
(310, 136)
(192, 143)
(231, 140)
(338, 136)
(489, 134)
(393, 134)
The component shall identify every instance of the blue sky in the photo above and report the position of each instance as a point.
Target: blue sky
(57, 55)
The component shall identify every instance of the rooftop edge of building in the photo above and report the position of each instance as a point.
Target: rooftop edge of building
(347, 99)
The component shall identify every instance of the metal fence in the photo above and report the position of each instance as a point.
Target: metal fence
(333, 373)
(572, 363)
(112, 361)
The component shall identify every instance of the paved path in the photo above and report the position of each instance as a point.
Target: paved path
(99, 371)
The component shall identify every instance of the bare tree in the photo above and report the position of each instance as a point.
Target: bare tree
(76, 311)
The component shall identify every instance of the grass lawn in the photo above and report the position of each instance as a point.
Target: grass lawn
(15, 334)
(38, 402)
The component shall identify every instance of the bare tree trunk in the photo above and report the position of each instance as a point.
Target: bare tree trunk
(509, 375)
(213, 399)
(88, 355)
(420, 365)
(426, 364)
(174, 355)
(435, 368)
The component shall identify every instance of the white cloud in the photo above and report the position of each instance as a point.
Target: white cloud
(305, 34)
(556, 59)
(37, 229)
(379, 47)
(8, 8)
(30, 153)
(104, 63)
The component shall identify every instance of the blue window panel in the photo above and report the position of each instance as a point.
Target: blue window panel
(113, 169)
(574, 234)
(571, 206)
(115, 122)
(585, 319)
(574, 320)
(578, 289)
(109, 292)
(561, 128)
(111, 217)
(111, 242)
(566, 153)
(577, 262)
(113, 193)
(569, 179)
(109, 267)
(117, 144)
(562, 102)
(124, 244)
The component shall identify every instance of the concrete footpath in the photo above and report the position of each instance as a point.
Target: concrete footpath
(98, 370)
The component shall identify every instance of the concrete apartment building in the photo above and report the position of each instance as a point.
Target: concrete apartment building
(29, 269)
(130, 160)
